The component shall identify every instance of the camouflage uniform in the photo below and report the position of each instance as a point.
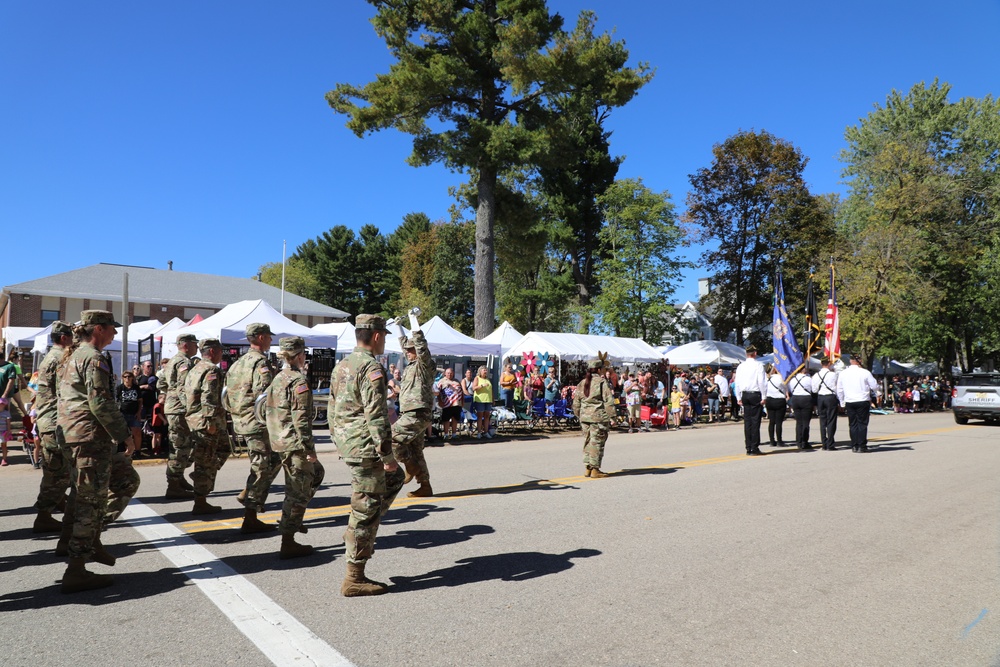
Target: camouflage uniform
(359, 421)
(289, 425)
(416, 409)
(57, 456)
(174, 376)
(203, 410)
(92, 426)
(247, 379)
(595, 412)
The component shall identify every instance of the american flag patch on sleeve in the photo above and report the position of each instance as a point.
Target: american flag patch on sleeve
(301, 388)
(375, 376)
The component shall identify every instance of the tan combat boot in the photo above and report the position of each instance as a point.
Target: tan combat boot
(185, 484)
(409, 475)
(44, 523)
(422, 491)
(292, 549)
(252, 525)
(586, 473)
(101, 555)
(356, 584)
(201, 506)
(176, 491)
(62, 546)
(241, 497)
(596, 473)
(77, 578)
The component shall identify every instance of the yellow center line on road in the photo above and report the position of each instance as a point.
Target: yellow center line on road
(344, 510)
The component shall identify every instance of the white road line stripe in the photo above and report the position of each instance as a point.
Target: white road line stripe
(276, 633)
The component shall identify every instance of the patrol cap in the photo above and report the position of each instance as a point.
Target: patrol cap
(595, 364)
(186, 338)
(407, 343)
(209, 342)
(258, 328)
(373, 322)
(60, 328)
(105, 317)
(292, 344)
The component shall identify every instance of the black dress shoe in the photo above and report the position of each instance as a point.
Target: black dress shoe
(756, 452)
(805, 447)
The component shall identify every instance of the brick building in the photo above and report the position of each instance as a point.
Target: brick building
(153, 294)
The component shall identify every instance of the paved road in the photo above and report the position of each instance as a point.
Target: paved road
(691, 554)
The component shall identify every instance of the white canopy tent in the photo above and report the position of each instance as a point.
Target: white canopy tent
(705, 352)
(165, 330)
(20, 337)
(443, 340)
(346, 340)
(229, 326)
(580, 347)
(505, 336)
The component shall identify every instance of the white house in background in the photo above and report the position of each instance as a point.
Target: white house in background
(691, 324)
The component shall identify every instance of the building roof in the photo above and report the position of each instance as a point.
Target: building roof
(159, 286)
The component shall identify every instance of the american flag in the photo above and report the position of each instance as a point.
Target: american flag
(831, 345)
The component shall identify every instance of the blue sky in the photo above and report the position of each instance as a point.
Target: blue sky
(197, 132)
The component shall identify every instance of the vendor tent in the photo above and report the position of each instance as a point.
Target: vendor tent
(138, 330)
(19, 337)
(706, 352)
(229, 326)
(505, 336)
(580, 347)
(443, 340)
(346, 341)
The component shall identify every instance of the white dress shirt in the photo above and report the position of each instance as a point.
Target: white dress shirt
(801, 384)
(723, 385)
(750, 376)
(825, 383)
(855, 385)
(775, 387)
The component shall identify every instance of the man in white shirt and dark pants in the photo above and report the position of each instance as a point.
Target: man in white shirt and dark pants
(751, 384)
(801, 387)
(827, 404)
(855, 387)
(723, 384)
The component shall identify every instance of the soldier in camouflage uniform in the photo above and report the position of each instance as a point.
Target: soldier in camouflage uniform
(206, 420)
(289, 425)
(247, 379)
(416, 409)
(57, 457)
(172, 388)
(92, 426)
(359, 423)
(594, 405)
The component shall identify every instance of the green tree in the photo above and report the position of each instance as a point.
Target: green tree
(298, 279)
(925, 168)
(480, 69)
(640, 268)
(753, 205)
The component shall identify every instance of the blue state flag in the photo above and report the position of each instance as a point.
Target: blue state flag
(787, 355)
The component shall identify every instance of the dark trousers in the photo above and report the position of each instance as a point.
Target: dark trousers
(776, 408)
(857, 421)
(826, 407)
(802, 409)
(752, 412)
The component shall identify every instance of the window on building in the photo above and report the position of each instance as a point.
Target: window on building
(49, 316)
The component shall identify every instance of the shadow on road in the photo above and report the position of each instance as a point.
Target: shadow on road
(629, 472)
(128, 586)
(532, 485)
(428, 539)
(517, 566)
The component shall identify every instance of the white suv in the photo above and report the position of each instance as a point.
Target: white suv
(976, 396)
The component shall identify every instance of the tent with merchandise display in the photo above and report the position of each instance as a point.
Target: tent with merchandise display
(229, 326)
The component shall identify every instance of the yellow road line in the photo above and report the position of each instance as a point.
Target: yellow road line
(344, 510)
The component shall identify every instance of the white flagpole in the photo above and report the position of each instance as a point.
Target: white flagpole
(284, 248)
